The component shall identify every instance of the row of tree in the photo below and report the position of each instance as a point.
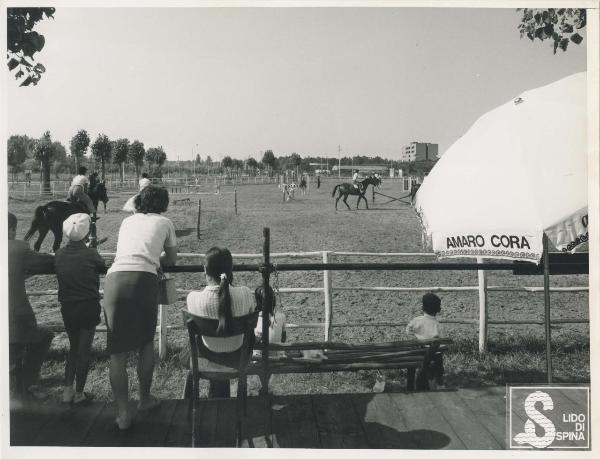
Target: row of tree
(120, 152)
(26, 153)
(274, 164)
(23, 150)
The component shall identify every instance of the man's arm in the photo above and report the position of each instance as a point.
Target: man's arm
(35, 262)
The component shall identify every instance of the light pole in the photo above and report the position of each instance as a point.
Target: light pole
(194, 158)
(339, 161)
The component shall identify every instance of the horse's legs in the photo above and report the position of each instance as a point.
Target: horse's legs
(42, 231)
(32, 229)
(337, 199)
(362, 196)
(346, 202)
(57, 238)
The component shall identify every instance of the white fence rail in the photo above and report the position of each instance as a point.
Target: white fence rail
(482, 288)
(186, 185)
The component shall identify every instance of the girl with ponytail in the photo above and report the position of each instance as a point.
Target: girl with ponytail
(221, 300)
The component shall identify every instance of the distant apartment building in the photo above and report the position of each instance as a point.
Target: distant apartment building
(419, 151)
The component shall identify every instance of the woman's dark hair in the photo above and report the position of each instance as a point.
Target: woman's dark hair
(144, 175)
(82, 170)
(431, 304)
(218, 265)
(152, 199)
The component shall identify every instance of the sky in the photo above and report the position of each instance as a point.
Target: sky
(239, 81)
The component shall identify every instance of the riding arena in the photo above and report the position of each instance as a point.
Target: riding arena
(493, 317)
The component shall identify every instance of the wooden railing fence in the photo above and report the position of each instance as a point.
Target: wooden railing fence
(482, 287)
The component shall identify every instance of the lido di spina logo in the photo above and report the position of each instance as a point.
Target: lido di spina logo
(556, 417)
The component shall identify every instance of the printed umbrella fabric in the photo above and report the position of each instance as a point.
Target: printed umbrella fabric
(520, 171)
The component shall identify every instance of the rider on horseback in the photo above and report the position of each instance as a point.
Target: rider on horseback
(78, 191)
(355, 180)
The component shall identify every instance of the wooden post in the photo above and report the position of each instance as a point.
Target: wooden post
(372, 194)
(235, 199)
(93, 232)
(547, 307)
(327, 297)
(162, 332)
(483, 310)
(198, 220)
(266, 309)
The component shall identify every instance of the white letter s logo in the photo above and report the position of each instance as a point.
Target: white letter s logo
(529, 435)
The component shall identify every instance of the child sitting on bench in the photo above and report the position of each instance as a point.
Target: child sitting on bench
(424, 327)
(427, 327)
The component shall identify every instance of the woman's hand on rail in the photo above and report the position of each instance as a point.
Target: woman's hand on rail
(169, 256)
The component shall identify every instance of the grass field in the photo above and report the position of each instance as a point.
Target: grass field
(309, 223)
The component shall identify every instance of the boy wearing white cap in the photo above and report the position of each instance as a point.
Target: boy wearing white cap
(77, 269)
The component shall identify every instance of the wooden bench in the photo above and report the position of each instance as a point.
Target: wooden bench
(288, 357)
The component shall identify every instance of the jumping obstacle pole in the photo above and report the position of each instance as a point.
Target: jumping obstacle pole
(288, 193)
(391, 198)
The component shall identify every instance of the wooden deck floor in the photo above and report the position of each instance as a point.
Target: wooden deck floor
(462, 419)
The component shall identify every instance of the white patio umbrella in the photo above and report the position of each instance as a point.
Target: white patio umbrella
(516, 179)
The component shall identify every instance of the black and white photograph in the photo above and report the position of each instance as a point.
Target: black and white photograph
(316, 226)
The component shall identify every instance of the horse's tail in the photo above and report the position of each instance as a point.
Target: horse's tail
(334, 190)
(38, 216)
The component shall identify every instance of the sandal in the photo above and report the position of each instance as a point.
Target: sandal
(82, 398)
(152, 404)
(123, 427)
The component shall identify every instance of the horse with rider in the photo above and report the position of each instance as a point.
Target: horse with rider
(356, 188)
(83, 196)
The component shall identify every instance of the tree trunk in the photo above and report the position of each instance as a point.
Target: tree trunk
(77, 163)
(103, 166)
(122, 171)
(46, 178)
(137, 172)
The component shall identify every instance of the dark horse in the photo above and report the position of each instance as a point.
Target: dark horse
(413, 191)
(97, 191)
(303, 186)
(347, 189)
(51, 216)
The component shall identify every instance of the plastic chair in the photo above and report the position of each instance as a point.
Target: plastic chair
(229, 365)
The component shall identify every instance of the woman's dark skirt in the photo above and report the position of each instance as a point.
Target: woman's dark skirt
(131, 310)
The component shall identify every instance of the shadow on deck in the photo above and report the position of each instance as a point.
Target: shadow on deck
(463, 419)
